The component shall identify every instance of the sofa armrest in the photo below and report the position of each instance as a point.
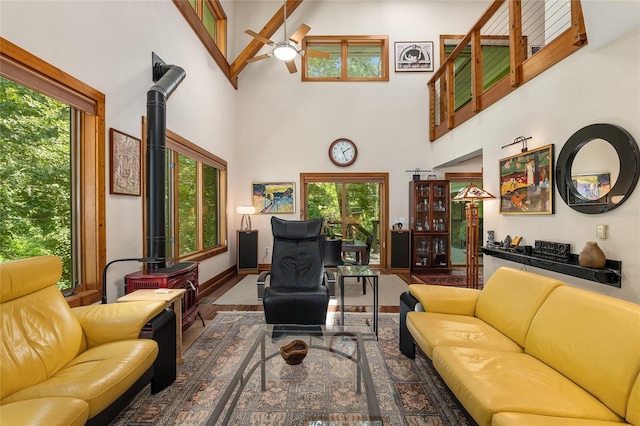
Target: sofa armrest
(446, 300)
(116, 321)
(408, 303)
(262, 278)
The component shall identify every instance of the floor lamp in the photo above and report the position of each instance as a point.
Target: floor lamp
(471, 193)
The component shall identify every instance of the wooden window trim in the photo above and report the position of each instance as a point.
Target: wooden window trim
(217, 50)
(345, 41)
(92, 173)
(178, 144)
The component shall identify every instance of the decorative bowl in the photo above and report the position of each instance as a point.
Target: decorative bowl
(294, 352)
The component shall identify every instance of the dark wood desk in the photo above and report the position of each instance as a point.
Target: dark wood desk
(357, 247)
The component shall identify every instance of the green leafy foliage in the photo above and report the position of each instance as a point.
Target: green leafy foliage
(35, 176)
(361, 207)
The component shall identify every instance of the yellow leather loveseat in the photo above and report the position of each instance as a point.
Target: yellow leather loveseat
(529, 350)
(63, 366)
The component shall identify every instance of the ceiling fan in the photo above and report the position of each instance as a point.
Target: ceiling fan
(286, 50)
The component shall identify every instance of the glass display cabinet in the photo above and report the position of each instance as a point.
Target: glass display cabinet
(429, 220)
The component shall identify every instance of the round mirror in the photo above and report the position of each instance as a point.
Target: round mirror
(597, 168)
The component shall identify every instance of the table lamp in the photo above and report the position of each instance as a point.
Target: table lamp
(471, 193)
(246, 212)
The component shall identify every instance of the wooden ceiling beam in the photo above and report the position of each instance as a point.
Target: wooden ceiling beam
(268, 31)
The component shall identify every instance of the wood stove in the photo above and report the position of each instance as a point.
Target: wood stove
(181, 275)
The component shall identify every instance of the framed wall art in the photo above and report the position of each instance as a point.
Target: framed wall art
(526, 182)
(414, 56)
(276, 197)
(589, 188)
(124, 177)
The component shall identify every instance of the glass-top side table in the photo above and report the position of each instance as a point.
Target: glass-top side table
(364, 272)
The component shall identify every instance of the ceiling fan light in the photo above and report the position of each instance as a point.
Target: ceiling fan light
(284, 51)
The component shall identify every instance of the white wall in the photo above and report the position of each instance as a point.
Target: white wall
(108, 45)
(286, 126)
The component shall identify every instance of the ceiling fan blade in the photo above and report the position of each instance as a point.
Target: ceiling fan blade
(317, 54)
(259, 37)
(291, 65)
(299, 34)
(260, 57)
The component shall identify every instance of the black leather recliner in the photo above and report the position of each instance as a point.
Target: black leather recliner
(297, 291)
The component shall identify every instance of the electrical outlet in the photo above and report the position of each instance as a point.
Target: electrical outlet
(601, 231)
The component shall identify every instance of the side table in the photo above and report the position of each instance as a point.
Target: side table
(173, 297)
(364, 272)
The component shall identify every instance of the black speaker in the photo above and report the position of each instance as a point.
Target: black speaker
(247, 251)
(400, 249)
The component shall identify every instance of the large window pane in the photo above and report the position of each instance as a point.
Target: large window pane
(364, 61)
(209, 21)
(329, 67)
(35, 177)
(210, 207)
(352, 58)
(187, 205)
(351, 211)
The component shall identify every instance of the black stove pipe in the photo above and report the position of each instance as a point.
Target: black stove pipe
(167, 79)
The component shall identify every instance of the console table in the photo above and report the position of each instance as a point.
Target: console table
(611, 274)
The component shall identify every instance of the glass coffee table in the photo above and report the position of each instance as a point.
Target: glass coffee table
(333, 385)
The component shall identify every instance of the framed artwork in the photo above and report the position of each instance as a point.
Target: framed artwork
(589, 188)
(125, 163)
(414, 56)
(526, 182)
(272, 198)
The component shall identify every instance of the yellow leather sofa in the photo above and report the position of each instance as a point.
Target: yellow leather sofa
(529, 350)
(63, 366)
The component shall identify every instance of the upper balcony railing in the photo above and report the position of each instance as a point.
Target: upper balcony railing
(514, 41)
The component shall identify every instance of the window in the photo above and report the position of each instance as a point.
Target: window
(209, 22)
(196, 190)
(52, 177)
(353, 58)
(353, 206)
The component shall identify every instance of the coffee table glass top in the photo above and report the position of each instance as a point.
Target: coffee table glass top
(333, 385)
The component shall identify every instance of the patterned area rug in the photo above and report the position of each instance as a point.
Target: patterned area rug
(448, 280)
(409, 392)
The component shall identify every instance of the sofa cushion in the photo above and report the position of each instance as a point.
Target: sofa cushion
(633, 407)
(520, 419)
(430, 330)
(488, 382)
(511, 298)
(40, 336)
(57, 411)
(593, 340)
(98, 376)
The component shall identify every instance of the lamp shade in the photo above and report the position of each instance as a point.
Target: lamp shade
(472, 192)
(245, 210)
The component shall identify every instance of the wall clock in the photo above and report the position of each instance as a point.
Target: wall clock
(343, 152)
